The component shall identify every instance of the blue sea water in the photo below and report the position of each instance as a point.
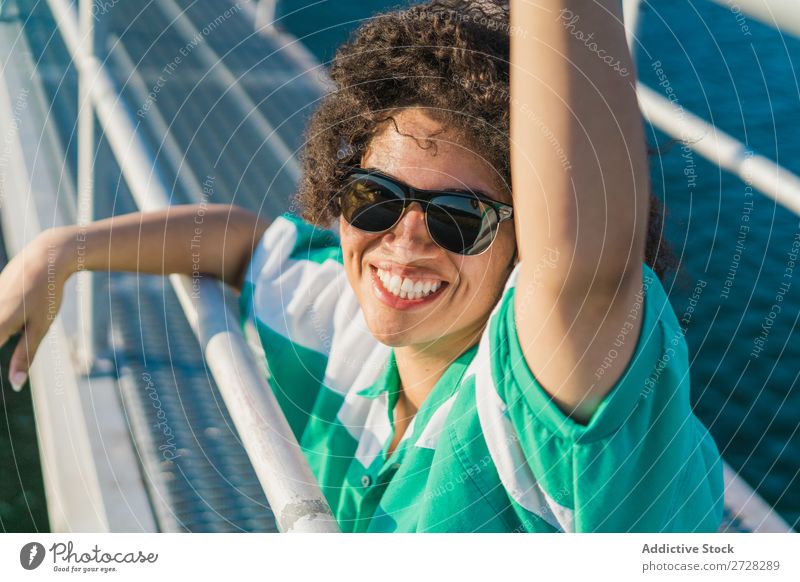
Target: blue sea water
(743, 335)
(736, 247)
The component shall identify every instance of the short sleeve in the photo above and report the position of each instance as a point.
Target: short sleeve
(636, 382)
(644, 462)
(293, 286)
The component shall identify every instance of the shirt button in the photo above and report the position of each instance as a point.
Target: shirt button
(366, 481)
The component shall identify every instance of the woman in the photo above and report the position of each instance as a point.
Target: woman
(461, 359)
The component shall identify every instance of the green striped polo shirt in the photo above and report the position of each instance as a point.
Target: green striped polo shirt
(488, 450)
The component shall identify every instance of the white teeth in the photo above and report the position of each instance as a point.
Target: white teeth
(406, 288)
(394, 284)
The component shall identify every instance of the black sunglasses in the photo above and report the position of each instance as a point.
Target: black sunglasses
(459, 221)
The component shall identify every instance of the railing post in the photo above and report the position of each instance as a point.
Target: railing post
(265, 13)
(93, 297)
(630, 12)
(6, 13)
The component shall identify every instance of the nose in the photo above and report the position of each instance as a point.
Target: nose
(411, 232)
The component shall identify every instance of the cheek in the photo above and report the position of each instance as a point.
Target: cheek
(487, 276)
(354, 244)
(480, 280)
(354, 240)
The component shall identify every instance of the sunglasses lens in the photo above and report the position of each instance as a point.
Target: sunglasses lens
(372, 204)
(462, 225)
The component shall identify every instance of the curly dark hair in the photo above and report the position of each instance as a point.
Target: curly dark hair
(449, 58)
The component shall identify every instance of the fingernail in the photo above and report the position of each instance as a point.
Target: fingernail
(18, 380)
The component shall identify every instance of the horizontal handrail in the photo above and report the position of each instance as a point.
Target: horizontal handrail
(721, 149)
(703, 137)
(284, 474)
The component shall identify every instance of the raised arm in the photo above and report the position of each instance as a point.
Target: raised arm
(580, 182)
(214, 239)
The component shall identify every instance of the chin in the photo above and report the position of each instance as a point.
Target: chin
(395, 338)
(396, 328)
(395, 334)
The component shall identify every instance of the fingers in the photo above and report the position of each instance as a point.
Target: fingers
(8, 327)
(11, 319)
(23, 355)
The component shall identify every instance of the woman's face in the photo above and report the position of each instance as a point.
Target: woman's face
(468, 287)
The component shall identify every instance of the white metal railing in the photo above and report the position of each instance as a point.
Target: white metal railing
(707, 140)
(281, 467)
(721, 149)
(266, 11)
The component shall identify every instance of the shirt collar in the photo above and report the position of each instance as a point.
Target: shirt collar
(387, 381)
(389, 378)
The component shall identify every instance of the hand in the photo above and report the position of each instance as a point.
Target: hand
(31, 289)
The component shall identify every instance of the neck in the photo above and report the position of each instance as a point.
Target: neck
(421, 366)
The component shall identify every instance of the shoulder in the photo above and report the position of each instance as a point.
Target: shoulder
(291, 238)
(295, 285)
(643, 437)
(656, 373)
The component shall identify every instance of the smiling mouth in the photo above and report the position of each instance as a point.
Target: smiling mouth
(402, 292)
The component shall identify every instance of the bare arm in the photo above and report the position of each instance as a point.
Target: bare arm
(580, 191)
(216, 240)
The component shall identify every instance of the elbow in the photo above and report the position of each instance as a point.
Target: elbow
(247, 231)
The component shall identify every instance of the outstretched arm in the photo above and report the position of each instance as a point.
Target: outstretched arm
(580, 181)
(214, 239)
